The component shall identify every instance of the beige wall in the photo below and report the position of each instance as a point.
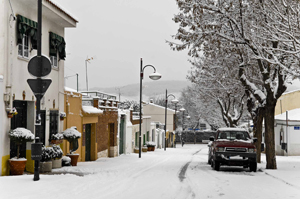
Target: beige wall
(288, 101)
(157, 114)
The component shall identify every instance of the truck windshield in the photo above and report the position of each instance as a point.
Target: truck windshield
(233, 135)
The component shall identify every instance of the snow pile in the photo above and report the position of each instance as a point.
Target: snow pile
(91, 110)
(21, 135)
(71, 133)
(149, 143)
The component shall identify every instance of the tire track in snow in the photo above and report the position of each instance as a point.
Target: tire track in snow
(183, 169)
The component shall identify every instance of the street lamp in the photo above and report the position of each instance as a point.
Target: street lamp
(86, 78)
(153, 76)
(174, 101)
(187, 117)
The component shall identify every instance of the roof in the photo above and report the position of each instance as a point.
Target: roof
(91, 110)
(58, 7)
(292, 115)
(162, 107)
(231, 129)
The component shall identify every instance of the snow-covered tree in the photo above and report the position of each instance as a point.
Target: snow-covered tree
(260, 32)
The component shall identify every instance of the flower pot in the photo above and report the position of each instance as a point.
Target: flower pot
(62, 118)
(144, 149)
(10, 115)
(74, 159)
(56, 163)
(151, 148)
(17, 166)
(45, 166)
(56, 141)
(136, 150)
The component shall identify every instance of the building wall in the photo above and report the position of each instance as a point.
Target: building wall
(290, 135)
(15, 74)
(104, 144)
(288, 101)
(157, 113)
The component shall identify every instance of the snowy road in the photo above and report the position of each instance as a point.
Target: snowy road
(179, 173)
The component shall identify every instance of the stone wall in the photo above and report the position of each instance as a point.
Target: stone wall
(107, 137)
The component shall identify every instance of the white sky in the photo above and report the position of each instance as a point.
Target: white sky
(118, 33)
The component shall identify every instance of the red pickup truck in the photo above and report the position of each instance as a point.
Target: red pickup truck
(232, 147)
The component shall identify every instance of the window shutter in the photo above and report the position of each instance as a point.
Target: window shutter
(57, 44)
(24, 26)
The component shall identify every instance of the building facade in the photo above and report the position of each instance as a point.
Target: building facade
(18, 43)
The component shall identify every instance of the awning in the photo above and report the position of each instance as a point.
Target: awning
(25, 25)
(57, 44)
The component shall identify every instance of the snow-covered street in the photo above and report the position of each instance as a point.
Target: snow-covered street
(180, 172)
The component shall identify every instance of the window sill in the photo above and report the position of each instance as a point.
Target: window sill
(23, 58)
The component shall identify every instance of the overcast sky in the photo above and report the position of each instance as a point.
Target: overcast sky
(118, 33)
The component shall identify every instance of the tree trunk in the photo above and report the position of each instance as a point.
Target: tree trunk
(269, 137)
(257, 131)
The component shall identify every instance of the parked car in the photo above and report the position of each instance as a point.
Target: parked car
(232, 147)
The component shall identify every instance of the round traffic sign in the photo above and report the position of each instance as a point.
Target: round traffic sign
(39, 66)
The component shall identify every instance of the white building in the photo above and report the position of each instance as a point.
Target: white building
(18, 43)
(157, 114)
(287, 133)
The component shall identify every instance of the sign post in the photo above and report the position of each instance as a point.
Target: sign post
(39, 66)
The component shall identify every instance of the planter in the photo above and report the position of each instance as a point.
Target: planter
(17, 166)
(56, 163)
(62, 118)
(151, 148)
(56, 141)
(136, 151)
(10, 115)
(144, 149)
(45, 167)
(74, 159)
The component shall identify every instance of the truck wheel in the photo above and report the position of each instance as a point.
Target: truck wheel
(216, 165)
(253, 166)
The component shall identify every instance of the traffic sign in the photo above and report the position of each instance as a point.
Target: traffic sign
(39, 86)
(39, 66)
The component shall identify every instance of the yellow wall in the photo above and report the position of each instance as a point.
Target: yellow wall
(289, 101)
(76, 117)
(5, 167)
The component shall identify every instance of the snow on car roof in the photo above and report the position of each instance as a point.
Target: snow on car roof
(231, 129)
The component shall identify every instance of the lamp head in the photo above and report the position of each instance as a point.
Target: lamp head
(174, 101)
(182, 109)
(155, 76)
(188, 117)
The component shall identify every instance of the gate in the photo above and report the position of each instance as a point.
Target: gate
(121, 141)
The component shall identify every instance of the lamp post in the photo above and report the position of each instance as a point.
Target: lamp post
(153, 76)
(86, 74)
(187, 117)
(175, 123)
(174, 101)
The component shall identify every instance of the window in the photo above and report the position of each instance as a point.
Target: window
(54, 61)
(202, 126)
(23, 49)
(53, 122)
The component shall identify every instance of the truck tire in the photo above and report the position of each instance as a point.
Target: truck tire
(253, 166)
(216, 165)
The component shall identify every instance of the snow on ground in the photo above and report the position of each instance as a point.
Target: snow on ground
(177, 173)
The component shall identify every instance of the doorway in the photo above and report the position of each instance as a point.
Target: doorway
(19, 120)
(121, 147)
(88, 130)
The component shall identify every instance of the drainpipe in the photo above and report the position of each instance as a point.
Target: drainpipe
(9, 67)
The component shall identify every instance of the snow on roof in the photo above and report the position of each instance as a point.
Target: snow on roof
(161, 107)
(60, 8)
(70, 89)
(91, 110)
(292, 115)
